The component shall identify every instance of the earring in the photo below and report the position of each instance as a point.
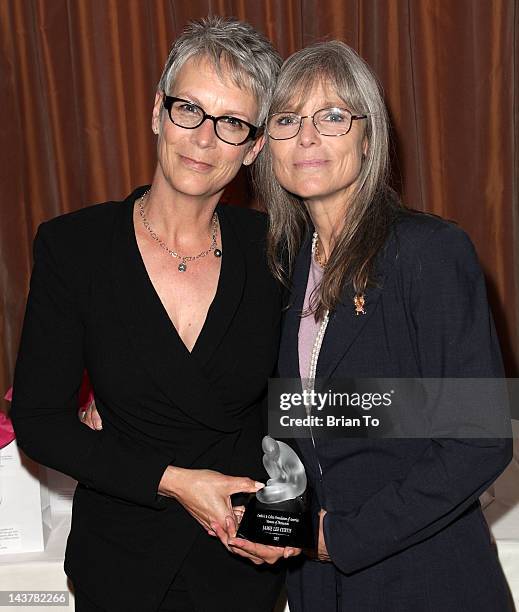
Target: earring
(155, 130)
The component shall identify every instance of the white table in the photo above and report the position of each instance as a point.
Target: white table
(41, 571)
(503, 518)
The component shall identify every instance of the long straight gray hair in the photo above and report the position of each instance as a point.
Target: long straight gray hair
(372, 207)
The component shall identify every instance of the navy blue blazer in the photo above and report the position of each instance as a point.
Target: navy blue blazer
(404, 527)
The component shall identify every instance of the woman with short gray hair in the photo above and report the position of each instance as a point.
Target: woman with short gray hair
(166, 300)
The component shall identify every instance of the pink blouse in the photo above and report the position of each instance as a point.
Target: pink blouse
(308, 327)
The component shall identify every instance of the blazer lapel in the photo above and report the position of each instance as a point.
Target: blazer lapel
(343, 327)
(289, 347)
(176, 372)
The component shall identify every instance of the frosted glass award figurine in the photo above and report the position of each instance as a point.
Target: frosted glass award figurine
(277, 514)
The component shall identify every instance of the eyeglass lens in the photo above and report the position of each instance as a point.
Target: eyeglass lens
(328, 121)
(229, 129)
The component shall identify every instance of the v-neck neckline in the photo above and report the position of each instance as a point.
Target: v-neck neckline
(344, 325)
(223, 269)
(182, 376)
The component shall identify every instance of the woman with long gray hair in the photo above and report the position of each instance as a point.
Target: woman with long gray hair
(166, 300)
(375, 291)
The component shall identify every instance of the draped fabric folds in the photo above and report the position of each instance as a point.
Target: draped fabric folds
(77, 82)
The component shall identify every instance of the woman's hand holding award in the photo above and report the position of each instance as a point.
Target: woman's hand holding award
(277, 514)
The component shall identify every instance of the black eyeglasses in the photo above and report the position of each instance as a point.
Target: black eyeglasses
(230, 129)
(327, 121)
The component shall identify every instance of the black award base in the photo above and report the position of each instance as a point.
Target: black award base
(278, 524)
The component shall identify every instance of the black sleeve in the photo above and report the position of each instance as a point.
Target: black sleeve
(456, 338)
(45, 392)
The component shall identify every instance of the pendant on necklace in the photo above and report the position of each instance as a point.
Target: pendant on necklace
(182, 267)
(217, 253)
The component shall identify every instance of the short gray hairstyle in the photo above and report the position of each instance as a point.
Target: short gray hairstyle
(232, 46)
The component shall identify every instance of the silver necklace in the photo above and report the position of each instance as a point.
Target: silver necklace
(182, 266)
(316, 349)
(309, 385)
(315, 246)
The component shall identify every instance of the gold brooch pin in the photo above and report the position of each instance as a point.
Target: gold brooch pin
(359, 302)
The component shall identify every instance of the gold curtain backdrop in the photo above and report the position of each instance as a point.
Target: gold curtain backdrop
(77, 81)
